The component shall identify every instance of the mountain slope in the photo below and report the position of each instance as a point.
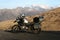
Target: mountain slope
(8, 14)
(52, 20)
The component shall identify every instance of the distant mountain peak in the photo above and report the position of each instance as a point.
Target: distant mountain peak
(42, 6)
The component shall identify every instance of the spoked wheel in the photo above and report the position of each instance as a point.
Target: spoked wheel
(15, 28)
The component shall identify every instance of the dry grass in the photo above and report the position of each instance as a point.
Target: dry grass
(52, 20)
(6, 24)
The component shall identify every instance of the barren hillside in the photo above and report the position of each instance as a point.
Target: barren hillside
(52, 20)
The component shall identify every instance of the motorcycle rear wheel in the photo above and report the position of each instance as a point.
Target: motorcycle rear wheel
(37, 31)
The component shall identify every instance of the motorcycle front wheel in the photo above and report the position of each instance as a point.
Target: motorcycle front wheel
(15, 28)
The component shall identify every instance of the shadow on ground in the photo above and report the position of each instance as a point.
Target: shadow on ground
(53, 32)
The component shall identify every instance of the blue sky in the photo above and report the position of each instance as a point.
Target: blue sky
(16, 3)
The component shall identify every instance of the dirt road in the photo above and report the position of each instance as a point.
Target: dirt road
(29, 36)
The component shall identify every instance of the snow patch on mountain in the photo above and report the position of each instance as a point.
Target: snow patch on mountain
(41, 6)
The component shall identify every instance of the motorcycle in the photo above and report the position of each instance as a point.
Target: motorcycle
(32, 26)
